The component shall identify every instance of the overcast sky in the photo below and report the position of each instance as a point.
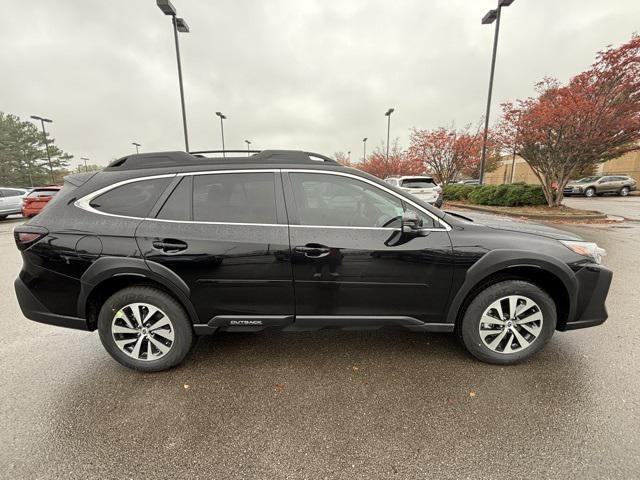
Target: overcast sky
(301, 74)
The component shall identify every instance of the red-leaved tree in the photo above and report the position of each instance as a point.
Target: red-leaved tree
(569, 128)
(399, 162)
(446, 152)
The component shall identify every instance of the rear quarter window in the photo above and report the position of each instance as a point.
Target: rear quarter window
(135, 199)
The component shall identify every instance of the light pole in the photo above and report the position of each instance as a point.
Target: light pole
(364, 149)
(85, 163)
(388, 115)
(222, 118)
(490, 17)
(515, 141)
(248, 146)
(137, 146)
(46, 142)
(179, 25)
(349, 156)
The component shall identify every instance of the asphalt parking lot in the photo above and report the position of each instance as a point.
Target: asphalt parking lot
(626, 207)
(329, 404)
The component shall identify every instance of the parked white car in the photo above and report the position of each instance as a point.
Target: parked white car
(11, 201)
(423, 187)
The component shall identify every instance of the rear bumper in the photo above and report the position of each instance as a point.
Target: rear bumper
(594, 282)
(33, 309)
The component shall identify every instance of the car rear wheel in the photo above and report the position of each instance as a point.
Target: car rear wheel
(590, 192)
(145, 329)
(508, 322)
(624, 191)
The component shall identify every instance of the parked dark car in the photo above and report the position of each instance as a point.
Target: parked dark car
(161, 247)
(617, 184)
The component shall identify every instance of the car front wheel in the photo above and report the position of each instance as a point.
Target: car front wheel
(624, 191)
(508, 322)
(145, 329)
(590, 192)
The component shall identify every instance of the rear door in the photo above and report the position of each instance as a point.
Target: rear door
(347, 264)
(224, 233)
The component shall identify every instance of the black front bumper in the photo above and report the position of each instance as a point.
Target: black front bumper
(33, 309)
(593, 286)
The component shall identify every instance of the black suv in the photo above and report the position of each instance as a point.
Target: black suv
(161, 247)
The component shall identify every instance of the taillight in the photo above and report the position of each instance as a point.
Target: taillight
(26, 235)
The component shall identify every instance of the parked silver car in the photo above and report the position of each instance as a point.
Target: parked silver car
(11, 201)
(423, 187)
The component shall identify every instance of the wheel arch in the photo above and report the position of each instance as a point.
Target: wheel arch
(551, 275)
(110, 274)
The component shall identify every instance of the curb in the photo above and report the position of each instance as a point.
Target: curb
(594, 216)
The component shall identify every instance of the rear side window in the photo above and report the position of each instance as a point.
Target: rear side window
(178, 205)
(234, 198)
(10, 192)
(135, 199)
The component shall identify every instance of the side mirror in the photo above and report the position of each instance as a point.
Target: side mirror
(411, 222)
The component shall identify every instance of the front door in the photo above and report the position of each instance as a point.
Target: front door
(225, 235)
(348, 265)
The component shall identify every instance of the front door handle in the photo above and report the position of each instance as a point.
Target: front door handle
(313, 251)
(169, 245)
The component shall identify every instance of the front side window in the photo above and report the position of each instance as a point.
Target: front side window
(334, 200)
(135, 199)
(234, 198)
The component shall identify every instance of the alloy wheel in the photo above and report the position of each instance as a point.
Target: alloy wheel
(511, 324)
(142, 331)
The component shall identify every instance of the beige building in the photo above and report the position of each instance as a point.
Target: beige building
(628, 163)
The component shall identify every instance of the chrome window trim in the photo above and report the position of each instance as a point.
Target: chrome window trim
(445, 225)
(84, 202)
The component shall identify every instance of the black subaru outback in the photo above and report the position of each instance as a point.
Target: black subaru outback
(161, 247)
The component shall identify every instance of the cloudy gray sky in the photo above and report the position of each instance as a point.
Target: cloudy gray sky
(305, 74)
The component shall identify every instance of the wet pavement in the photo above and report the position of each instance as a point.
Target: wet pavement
(329, 404)
(626, 207)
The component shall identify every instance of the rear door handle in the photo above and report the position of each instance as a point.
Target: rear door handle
(169, 245)
(313, 251)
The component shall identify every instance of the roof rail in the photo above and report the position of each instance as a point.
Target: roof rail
(179, 158)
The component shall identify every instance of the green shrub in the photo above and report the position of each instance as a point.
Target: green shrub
(457, 191)
(508, 195)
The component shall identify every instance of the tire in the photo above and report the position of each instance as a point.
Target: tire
(514, 352)
(167, 345)
(3, 217)
(590, 192)
(624, 191)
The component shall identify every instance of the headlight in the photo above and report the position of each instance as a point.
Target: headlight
(588, 249)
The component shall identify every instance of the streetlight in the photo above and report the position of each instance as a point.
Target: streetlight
(179, 25)
(388, 115)
(489, 18)
(349, 156)
(85, 163)
(515, 141)
(248, 146)
(364, 148)
(137, 146)
(46, 143)
(222, 117)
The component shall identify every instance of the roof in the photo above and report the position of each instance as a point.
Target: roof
(179, 158)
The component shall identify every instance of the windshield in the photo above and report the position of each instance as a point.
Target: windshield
(587, 179)
(418, 183)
